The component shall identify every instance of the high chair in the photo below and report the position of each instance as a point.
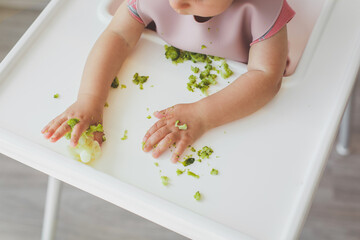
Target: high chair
(269, 163)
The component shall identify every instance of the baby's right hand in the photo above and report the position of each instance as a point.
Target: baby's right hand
(88, 111)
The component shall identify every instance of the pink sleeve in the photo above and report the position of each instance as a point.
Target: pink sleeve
(286, 14)
(133, 10)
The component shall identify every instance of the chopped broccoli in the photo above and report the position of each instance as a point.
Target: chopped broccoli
(87, 148)
(195, 69)
(165, 180)
(214, 172)
(103, 138)
(148, 117)
(203, 46)
(122, 86)
(205, 152)
(172, 53)
(197, 196)
(193, 149)
(181, 127)
(197, 57)
(225, 70)
(106, 104)
(56, 95)
(188, 161)
(179, 172)
(190, 173)
(115, 83)
(125, 135)
(156, 164)
(140, 80)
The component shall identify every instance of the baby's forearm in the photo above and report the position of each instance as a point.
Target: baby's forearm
(102, 65)
(243, 97)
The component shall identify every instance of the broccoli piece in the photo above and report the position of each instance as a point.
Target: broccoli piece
(125, 135)
(172, 53)
(193, 149)
(142, 145)
(181, 127)
(198, 57)
(197, 196)
(190, 173)
(225, 70)
(115, 83)
(214, 172)
(179, 172)
(56, 95)
(87, 148)
(122, 86)
(140, 80)
(203, 46)
(165, 180)
(195, 69)
(106, 104)
(188, 161)
(205, 152)
(156, 164)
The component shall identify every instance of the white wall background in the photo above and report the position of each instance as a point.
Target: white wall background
(21, 4)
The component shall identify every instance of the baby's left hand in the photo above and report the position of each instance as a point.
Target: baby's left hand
(164, 132)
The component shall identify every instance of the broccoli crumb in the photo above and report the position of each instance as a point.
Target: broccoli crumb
(190, 173)
(203, 46)
(125, 135)
(181, 127)
(172, 53)
(195, 69)
(156, 164)
(103, 138)
(106, 104)
(214, 172)
(115, 83)
(56, 95)
(179, 172)
(148, 117)
(192, 149)
(197, 196)
(72, 122)
(165, 180)
(142, 145)
(188, 161)
(140, 80)
(122, 86)
(205, 152)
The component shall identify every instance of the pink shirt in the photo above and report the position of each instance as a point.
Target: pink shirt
(227, 35)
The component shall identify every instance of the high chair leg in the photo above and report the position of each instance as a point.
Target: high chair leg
(342, 146)
(51, 208)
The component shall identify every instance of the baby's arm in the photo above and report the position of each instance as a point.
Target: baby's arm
(244, 96)
(252, 90)
(102, 65)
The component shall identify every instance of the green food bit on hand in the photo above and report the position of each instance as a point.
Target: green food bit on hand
(142, 145)
(103, 138)
(125, 135)
(115, 83)
(188, 161)
(205, 152)
(197, 196)
(190, 173)
(181, 127)
(165, 180)
(140, 80)
(179, 172)
(72, 122)
(56, 95)
(214, 172)
(106, 104)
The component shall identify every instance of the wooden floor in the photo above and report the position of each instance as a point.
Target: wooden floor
(334, 215)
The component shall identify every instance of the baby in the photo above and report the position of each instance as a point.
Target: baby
(249, 31)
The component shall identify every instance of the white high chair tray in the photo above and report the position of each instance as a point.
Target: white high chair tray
(269, 163)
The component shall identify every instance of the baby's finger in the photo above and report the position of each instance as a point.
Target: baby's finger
(52, 126)
(155, 138)
(159, 124)
(77, 131)
(98, 136)
(163, 113)
(60, 132)
(164, 144)
(180, 148)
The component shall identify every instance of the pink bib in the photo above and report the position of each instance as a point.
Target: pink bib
(227, 35)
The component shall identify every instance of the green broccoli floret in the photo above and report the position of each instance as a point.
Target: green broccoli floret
(225, 70)
(122, 86)
(205, 152)
(156, 164)
(140, 80)
(172, 53)
(165, 180)
(56, 95)
(198, 57)
(125, 135)
(197, 196)
(181, 127)
(190, 173)
(214, 172)
(195, 69)
(115, 83)
(188, 161)
(179, 172)
(87, 148)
